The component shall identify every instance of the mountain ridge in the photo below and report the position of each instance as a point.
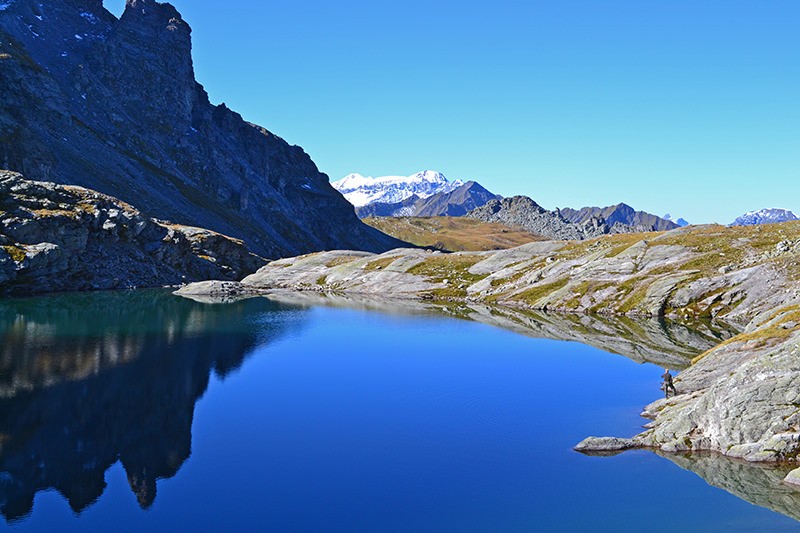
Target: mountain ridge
(364, 190)
(620, 213)
(112, 105)
(524, 212)
(769, 215)
(456, 202)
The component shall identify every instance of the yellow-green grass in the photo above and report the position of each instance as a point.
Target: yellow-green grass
(451, 267)
(452, 233)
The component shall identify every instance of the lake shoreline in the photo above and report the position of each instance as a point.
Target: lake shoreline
(727, 401)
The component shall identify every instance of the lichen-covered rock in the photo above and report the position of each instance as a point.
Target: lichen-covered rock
(58, 238)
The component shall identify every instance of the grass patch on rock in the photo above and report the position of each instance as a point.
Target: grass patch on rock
(341, 260)
(540, 291)
(452, 269)
(380, 264)
(15, 252)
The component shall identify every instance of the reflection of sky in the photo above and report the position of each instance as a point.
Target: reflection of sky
(364, 421)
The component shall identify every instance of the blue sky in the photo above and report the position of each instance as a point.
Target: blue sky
(686, 107)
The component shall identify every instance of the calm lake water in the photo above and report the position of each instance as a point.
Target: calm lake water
(143, 411)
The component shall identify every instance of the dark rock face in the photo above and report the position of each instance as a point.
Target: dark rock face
(523, 212)
(113, 105)
(568, 224)
(56, 238)
(619, 214)
(455, 203)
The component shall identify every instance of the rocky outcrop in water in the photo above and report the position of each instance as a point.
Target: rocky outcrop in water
(58, 238)
(113, 105)
(568, 224)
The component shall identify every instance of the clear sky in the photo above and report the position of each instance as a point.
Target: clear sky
(688, 107)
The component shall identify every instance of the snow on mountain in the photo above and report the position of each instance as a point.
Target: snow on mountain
(363, 190)
(764, 216)
(679, 221)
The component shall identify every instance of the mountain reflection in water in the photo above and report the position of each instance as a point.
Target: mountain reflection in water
(87, 380)
(90, 379)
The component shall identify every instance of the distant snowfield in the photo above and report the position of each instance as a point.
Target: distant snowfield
(765, 216)
(363, 190)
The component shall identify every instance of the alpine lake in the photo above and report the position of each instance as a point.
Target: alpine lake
(145, 411)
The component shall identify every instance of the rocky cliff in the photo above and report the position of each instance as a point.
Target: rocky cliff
(113, 105)
(568, 224)
(56, 238)
(619, 214)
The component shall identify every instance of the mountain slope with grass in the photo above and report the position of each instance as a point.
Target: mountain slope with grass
(453, 234)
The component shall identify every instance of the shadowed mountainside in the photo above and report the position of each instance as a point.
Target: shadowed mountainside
(113, 105)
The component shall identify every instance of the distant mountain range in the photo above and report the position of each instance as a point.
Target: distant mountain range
(764, 216)
(618, 214)
(454, 203)
(430, 194)
(569, 224)
(360, 190)
(681, 222)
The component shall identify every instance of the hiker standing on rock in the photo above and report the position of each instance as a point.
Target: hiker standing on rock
(667, 385)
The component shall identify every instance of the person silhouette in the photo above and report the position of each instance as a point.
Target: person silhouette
(667, 385)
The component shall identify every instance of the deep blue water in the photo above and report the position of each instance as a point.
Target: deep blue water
(324, 419)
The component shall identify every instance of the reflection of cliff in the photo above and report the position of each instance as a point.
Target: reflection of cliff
(655, 340)
(88, 380)
(759, 484)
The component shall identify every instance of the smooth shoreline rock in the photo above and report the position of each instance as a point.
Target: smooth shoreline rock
(606, 444)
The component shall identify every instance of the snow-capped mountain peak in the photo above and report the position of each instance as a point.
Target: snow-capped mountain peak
(364, 190)
(679, 221)
(764, 216)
